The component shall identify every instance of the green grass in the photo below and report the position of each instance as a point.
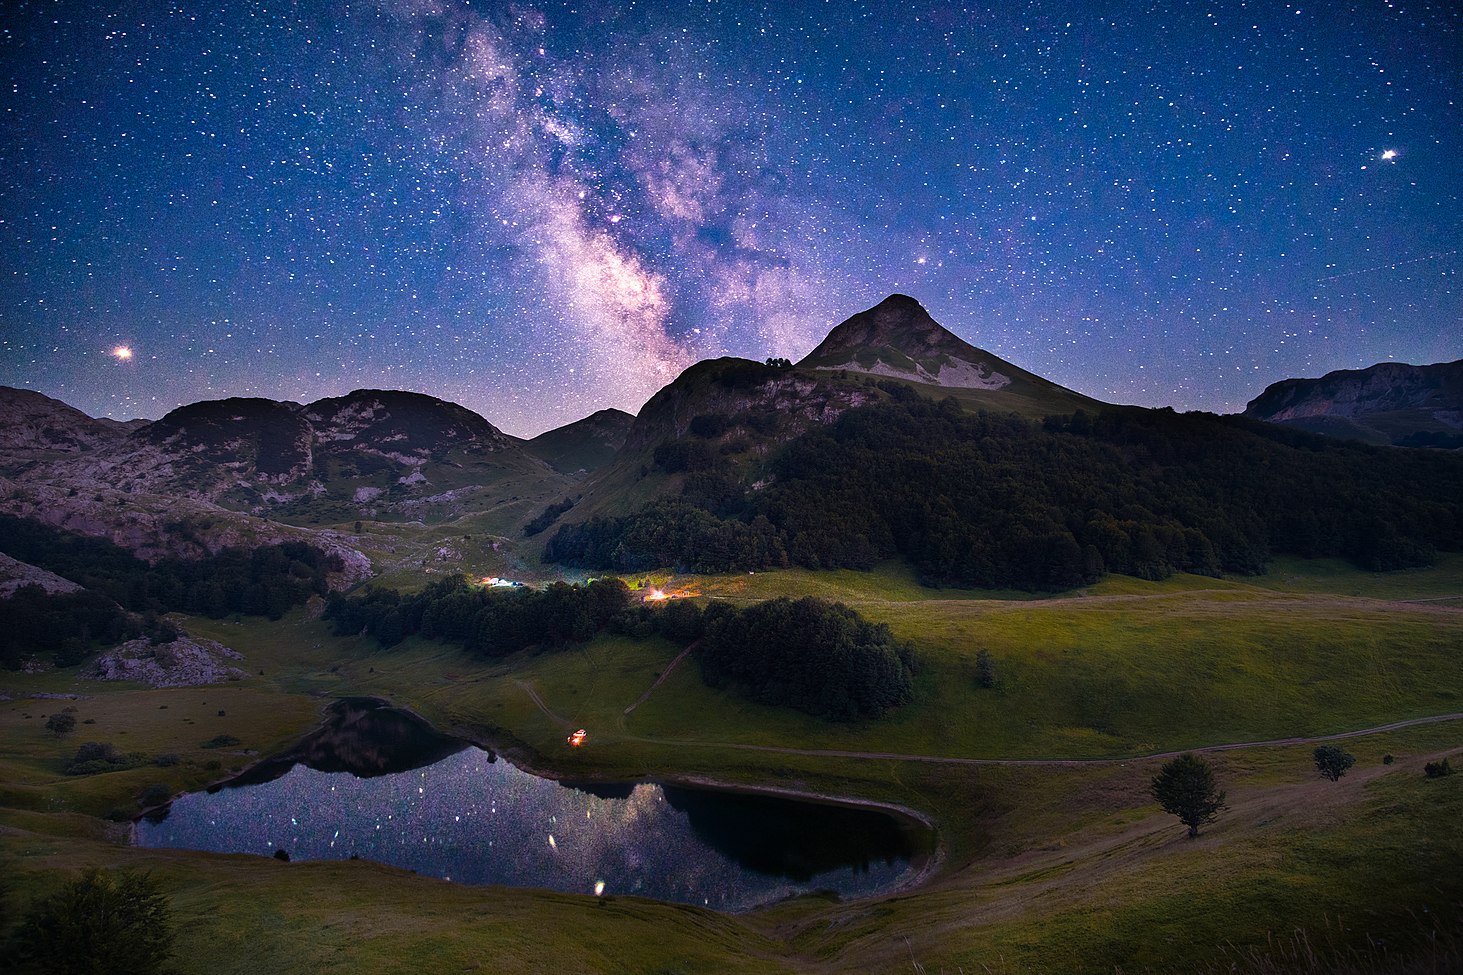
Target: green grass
(1442, 582)
(1043, 869)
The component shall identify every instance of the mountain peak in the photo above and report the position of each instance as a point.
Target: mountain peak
(899, 338)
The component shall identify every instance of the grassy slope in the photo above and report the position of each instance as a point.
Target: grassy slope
(1045, 869)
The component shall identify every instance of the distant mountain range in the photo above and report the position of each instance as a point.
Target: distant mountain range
(1389, 403)
(338, 471)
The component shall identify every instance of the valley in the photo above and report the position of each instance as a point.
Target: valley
(1062, 867)
(1066, 593)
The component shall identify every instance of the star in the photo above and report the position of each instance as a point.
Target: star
(1389, 154)
(121, 353)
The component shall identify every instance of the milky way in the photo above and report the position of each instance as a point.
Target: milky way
(539, 210)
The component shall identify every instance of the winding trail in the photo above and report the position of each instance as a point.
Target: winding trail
(663, 675)
(952, 760)
(948, 760)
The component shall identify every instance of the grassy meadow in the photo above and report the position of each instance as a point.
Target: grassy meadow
(1065, 867)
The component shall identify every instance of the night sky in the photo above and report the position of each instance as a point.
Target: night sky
(542, 209)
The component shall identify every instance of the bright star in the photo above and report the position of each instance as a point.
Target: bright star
(122, 353)
(1389, 154)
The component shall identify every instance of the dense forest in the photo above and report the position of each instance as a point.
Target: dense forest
(264, 582)
(998, 501)
(817, 657)
(62, 627)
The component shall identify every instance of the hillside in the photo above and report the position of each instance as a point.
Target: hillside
(1388, 403)
(1001, 502)
(715, 430)
(584, 446)
(376, 454)
(33, 423)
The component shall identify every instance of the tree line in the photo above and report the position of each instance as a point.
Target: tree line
(483, 620)
(266, 581)
(818, 657)
(999, 501)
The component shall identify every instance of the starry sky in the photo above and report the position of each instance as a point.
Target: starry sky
(540, 209)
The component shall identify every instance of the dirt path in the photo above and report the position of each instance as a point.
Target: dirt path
(950, 760)
(946, 760)
(661, 679)
(553, 716)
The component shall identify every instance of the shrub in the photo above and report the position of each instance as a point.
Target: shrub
(100, 924)
(155, 795)
(220, 741)
(985, 669)
(60, 724)
(1436, 770)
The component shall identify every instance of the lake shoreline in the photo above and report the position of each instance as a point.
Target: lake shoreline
(927, 849)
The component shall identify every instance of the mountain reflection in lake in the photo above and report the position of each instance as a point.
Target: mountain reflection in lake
(474, 820)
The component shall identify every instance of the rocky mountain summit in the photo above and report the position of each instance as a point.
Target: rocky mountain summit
(1388, 403)
(898, 338)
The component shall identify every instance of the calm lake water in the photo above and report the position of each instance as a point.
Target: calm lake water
(471, 818)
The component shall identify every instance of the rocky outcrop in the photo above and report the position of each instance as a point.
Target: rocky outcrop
(775, 403)
(185, 662)
(14, 574)
(33, 423)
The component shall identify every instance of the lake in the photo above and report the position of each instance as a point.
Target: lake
(380, 784)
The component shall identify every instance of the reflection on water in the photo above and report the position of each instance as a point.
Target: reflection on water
(362, 736)
(471, 819)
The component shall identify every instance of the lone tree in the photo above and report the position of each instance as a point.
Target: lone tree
(1186, 787)
(60, 724)
(102, 924)
(1332, 762)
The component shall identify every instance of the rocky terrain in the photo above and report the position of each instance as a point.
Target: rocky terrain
(898, 338)
(1388, 403)
(250, 472)
(184, 662)
(15, 574)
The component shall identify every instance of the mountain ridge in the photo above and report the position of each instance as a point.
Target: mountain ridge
(1387, 403)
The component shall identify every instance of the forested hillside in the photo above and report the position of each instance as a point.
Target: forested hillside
(998, 501)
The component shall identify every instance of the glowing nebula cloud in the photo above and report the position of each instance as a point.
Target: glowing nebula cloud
(597, 173)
